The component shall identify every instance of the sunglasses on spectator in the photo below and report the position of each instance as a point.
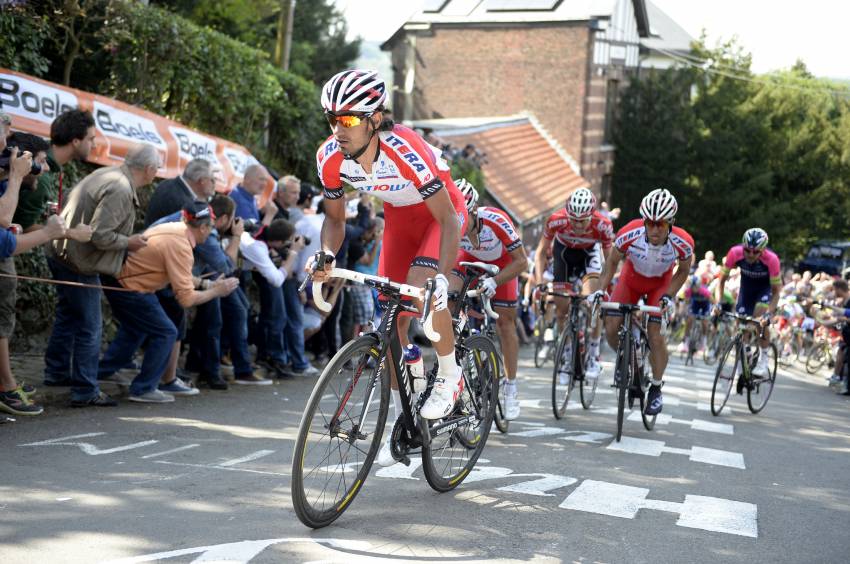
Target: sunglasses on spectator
(657, 224)
(346, 120)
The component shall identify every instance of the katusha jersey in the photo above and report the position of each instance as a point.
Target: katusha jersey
(559, 226)
(762, 273)
(497, 236)
(650, 261)
(407, 170)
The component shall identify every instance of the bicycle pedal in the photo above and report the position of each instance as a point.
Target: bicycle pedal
(405, 460)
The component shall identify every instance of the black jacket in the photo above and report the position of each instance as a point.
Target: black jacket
(170, 196)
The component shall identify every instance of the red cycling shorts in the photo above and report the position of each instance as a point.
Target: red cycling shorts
(631, 287)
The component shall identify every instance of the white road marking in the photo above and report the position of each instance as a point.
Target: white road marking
(89, 448)
(695, 424)
(648, 447)
(172, 451)
(697, 512)
(240, 552)
(588, 437)
(247, 458)
(545, 483)
(217, 467)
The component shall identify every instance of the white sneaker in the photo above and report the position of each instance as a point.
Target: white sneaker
(442, 399)
(543, 353)
(511, 407)
(683, 346)
(385, 455)
(593, 368)
(563, 378)
(761, 369)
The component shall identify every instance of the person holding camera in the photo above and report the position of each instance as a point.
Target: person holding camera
(166, 259)
(271, 253)
(72, 138)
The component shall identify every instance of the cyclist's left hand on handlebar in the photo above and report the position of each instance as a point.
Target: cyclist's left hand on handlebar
(488, 286)
(441, 292)
(597, 296)
(766, 317)
(320, 275)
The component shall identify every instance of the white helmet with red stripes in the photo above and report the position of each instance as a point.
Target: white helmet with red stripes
(580, 204)
(354, 90)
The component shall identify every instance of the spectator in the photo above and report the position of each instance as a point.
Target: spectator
(197, 183)
(362, 296)
(286, 199)
(295, 197)
(106, 199)
(255, 179)
(269, 278)
(167, 258)
(72, 138)
(14, 399)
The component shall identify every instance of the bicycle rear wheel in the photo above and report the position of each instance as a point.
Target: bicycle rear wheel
(331, 462)
(712, 349)
(563, 373)
(640, 372)
(539, 332)
(724, 377)
(502, 424)
(760, 388)
(451, 446)
(587, 386)
(817, 357)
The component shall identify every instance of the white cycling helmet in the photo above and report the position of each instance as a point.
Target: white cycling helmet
(659, 205)
(754, 238)
(580, 204)
(354, 90)
(470, 195)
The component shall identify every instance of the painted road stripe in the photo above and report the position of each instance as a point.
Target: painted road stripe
(695, 424)
(648, 447)
(247, 458)
(172, 451)
(697, 512)
(89, 448)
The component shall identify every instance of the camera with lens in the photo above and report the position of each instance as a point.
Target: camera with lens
(6, 161)
(251, 226)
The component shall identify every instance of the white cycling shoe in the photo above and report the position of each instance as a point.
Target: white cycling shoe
(761, 369)
(442, 399)
(385, 455)
(593, 369)
(511, 407)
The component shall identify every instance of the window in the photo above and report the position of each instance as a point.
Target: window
(611, 100)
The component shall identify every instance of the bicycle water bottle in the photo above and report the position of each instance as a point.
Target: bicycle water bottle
(413, 359)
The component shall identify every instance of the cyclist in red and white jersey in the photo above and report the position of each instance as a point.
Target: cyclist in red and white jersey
(424, 211)
(492, 238)
(652, 248)
(582, 238)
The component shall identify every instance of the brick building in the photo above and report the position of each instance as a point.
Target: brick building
(562, 62)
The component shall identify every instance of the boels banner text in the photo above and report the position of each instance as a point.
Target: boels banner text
(34, 103)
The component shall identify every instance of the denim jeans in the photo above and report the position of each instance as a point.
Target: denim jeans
(74, 346)
(205, 339)
(293, 330)
(270, 340)
(142, 320)
(234, 313)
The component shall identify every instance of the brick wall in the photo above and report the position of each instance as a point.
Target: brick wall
(498, 71)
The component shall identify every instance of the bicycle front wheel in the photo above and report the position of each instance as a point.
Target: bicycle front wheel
(712, 349)
(817, 357)
(451, 446)
(760, 388)
(502, 424)
(340, 433)
(563, 373)
(539, 332)
(727, 366)
(623, 380)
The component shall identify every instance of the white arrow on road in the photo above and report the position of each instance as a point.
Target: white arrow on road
(649, 447)
(89, 448)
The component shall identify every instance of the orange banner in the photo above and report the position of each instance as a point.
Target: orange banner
(34, 104)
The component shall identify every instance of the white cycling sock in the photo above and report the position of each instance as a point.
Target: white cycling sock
(448, 367)
(511, 385)
(764, 352)
(655, 382)
(594, 344)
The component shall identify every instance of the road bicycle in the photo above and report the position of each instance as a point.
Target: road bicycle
(343, 423)
(544, 328)
(571, 358)
(631, 378)
(488, 329)
(822, 352)
(739, 358)
(695, 337)
(718, 340)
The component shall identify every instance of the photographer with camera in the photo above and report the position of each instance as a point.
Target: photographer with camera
(271, 253)
(72, 138)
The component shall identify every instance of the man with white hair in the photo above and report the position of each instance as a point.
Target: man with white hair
(106, 199)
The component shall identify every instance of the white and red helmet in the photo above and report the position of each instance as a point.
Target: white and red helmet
(581, 204)
(470, 195)
(659, 205)
(354, 90)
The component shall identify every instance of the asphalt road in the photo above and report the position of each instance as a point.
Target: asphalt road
(207, 479)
